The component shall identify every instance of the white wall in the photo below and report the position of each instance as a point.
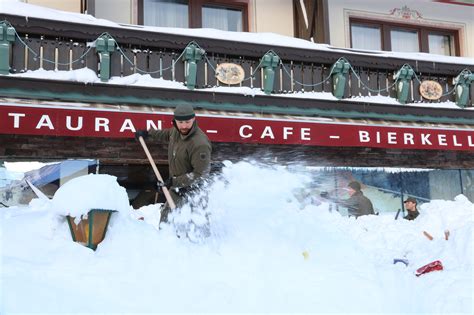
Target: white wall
(434, 14)
(69, 5)
(274, 16)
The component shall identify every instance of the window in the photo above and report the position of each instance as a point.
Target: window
(376, 35)
(404, 40)
(219, 14)
(366, 37)
(166, 13)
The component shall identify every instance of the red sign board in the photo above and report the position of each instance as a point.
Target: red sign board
(87, 122)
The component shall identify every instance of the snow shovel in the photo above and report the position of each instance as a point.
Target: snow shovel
(168, 197)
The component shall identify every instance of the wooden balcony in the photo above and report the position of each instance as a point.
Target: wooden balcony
(61, 45)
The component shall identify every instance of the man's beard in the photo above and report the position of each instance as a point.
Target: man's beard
(184, 131)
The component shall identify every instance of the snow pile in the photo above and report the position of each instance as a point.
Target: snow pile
(266, 254)
(82, 194)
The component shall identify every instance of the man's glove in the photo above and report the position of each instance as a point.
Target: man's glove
(141, 133)
(167, 183)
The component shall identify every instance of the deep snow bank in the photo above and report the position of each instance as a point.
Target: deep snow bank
(252, 262)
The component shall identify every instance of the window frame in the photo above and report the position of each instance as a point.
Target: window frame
(423, 32)
(195, 11)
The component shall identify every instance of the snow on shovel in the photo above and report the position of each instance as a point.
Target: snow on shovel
(168, 197)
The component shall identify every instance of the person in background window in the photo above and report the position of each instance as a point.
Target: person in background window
(189, 155)
(410, 206)
(357, 204)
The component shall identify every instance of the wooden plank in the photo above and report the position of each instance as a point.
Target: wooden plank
(167, 65)
(33, 58)
(355, 84)
(141, 59)
(364, 77)
(373, 82)
(392, 92)
(285, 77)
(49, 54)
(128, 66)
(116, 64)
(327, 87)
(78, 50)
(245, 64)
(18, 57)
(201, 73)
(214, 61)
(257, 79)
(383, 75)
(179, 68)
(416, 96)
(317, 78)
(297, 77)
(92, 60)
(63, 53)
(154, 64)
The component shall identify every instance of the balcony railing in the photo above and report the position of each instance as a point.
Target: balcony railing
(60, 45)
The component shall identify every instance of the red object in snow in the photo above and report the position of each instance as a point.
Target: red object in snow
(432, 266)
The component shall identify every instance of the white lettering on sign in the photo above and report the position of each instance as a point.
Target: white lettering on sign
(241, 131)
(305, 134)
(391, 137)
(127, 125)
(455, 141)
(425, 140)
(151, 124)
(267, 132)
(287, 131)
(101, 122)
(442, 140)
(408, 138)
(69, 124)
(16, 119)
(364, 136)
(45, 121)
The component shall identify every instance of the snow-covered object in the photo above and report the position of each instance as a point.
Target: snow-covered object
(266, 254)
(81, 194)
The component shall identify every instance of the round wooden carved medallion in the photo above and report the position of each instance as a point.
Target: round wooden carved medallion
(431, 90)
(230, 73)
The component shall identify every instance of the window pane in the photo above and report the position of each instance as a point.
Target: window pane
(441, 44)
(167, 13)
(222, 18)
(366, 37)
(406, 41)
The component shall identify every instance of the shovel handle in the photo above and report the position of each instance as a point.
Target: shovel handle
(157, 173)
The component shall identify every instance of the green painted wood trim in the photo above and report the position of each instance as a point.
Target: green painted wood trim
(90, 216)
(68, 219)
(249, 107)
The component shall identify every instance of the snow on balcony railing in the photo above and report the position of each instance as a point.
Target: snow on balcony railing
(296, 67)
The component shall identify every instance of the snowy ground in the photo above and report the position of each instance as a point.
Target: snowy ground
(267, 252)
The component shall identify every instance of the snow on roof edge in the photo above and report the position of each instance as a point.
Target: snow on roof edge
(14, 7)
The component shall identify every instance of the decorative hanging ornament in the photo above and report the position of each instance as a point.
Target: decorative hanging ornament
(431, 90)
(230, 73)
